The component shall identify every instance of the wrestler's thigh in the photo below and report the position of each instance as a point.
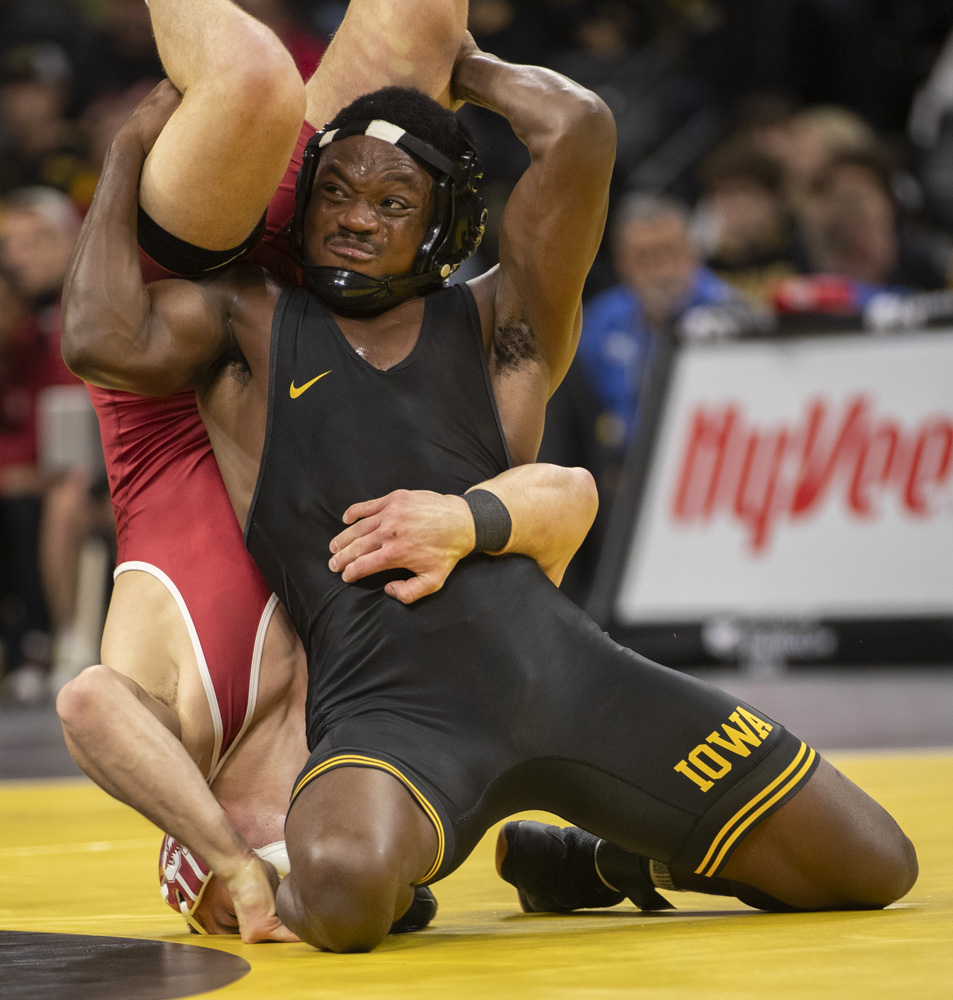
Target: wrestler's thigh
(406, 43)
(830, 844)
(222, 154)
(145, 636)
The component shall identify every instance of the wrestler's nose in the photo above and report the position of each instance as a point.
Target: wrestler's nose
(359, 216)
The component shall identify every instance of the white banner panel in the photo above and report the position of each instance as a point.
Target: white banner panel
(810, 477)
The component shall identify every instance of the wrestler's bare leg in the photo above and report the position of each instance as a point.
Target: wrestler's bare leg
(380, 43)
(219, 159)
(145, 736)
(831, 847)
(358, 843)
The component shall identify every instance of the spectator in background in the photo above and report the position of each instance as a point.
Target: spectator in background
(120, 53)
(931, 129)
(23, 618)
(100, 121)
(592, 416)
(855, 228)
(801, 140)
(815, 135)
(38, 144)
(745, 222)
(662, 277)
(38, 227)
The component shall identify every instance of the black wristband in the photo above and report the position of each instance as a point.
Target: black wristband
(491, 520)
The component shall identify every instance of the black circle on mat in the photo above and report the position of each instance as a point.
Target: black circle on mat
(82, 967)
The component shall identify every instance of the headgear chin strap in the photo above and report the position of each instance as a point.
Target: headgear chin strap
(454, 233)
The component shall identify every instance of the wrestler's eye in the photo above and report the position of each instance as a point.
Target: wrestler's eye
(396, 205)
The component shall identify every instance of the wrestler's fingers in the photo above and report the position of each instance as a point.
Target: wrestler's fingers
(408, 591)
(270, 930)
(364, 509)
(371, 562)
(354, 545)
(153, 112)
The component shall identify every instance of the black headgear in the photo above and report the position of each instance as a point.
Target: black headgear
(455, 230)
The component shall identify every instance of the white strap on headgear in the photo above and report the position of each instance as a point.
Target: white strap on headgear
(277, 854)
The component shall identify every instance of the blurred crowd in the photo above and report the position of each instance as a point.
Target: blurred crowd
(775, 159)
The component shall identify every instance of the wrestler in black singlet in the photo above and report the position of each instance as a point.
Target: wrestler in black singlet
(496, 694)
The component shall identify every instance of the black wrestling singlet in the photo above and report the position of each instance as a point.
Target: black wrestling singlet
(341, 431)
(495, 694)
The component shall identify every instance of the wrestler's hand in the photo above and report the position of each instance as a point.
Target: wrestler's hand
(150, 115)
(460, 89)
(252, 889)
(426, 533)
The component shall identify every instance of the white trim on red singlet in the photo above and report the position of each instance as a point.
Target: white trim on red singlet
(217, 758)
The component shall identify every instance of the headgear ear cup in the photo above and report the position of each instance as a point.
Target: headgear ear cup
(183, 877)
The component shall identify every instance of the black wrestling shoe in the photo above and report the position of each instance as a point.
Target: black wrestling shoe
(554, 871)
(420, 912)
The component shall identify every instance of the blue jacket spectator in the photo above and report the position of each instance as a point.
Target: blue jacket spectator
(662, 279)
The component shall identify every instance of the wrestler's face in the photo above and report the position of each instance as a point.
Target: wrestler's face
(369, 209)
(216, 912)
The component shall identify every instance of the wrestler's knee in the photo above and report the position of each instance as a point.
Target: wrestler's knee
(891, 871)
(341, 895)
(78, 700)
(253, 68)
(265, 76)
(860, 854)
(831, 847)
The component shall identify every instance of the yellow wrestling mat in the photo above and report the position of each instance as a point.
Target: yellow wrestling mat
(75, 862)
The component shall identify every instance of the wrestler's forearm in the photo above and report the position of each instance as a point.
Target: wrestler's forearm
(105, 302)
(541, 105)
(134, 756)
(551, 510)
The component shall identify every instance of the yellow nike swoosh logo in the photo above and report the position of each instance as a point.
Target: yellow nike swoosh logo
(295, 392)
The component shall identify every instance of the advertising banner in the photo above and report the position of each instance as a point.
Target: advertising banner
(795, 482)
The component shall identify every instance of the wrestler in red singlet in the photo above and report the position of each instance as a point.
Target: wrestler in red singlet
(174, 518)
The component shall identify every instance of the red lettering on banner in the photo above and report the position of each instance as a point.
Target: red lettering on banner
(930, 465)
(879, 455)
(707, 446)
(755, 498)
(761, 476)
(820, 458)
